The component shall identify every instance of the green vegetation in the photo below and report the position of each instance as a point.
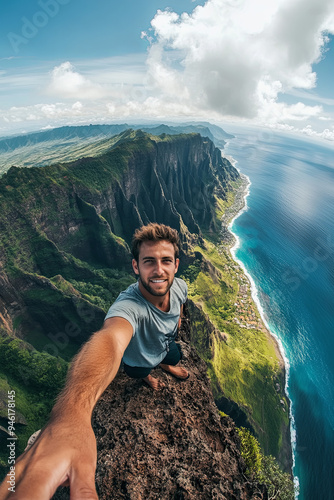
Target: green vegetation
(36, 378)
(42, 372)
(265, 469)
(103, 290)
(222, 205)
(251, 453)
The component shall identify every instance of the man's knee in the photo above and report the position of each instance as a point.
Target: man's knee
(174, 354)
(136, 371)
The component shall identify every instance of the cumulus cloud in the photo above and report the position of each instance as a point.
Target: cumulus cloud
(38, 112)
(325, 134)
(237, 58)
(66, 82)
(116, 78)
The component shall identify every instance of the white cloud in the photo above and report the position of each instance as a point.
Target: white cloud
(312, 96)
(325, 134)
(98, 79)
(275, 113)
(39, 112)
(236, 58)
(66, 82)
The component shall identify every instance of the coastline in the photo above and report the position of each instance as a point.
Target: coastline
(248, 289)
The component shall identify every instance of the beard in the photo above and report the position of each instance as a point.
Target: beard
(157, 293)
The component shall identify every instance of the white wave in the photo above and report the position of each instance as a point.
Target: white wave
(271, 329)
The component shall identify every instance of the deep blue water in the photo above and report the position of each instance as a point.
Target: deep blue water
(286, 243)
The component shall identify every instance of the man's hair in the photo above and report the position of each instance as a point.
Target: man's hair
(155, 232)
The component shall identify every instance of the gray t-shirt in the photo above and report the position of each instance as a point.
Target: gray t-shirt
(153, 329)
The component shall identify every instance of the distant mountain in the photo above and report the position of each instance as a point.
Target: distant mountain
(217, 132)
(62, 133)
(66, 144)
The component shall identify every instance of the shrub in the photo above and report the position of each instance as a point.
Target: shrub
(40, 371)
(265, 469)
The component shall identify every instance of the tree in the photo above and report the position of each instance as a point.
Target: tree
(265, 469)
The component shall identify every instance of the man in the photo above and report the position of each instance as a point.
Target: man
(140, 327)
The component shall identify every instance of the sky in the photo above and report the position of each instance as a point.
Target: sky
(243, 62)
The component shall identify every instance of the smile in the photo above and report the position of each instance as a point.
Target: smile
(158, 281)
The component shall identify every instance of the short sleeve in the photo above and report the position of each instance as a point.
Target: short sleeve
(124, 309)
(181, 289)
(185, 291)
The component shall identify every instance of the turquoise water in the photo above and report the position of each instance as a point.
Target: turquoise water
(286, 244)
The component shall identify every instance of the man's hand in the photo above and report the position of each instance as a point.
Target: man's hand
(60, 456)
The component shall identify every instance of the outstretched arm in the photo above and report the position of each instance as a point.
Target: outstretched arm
(65, 450)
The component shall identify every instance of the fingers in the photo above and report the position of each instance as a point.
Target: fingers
(82, 484)
(34, 487)
(34, 480)
(41, 483)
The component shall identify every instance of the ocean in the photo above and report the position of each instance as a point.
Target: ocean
(285, 241)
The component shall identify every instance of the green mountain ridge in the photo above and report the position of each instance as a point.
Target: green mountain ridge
(70, 143)
(64, 257)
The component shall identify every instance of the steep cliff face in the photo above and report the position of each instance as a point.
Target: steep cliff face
(171, 444)
(173, 180)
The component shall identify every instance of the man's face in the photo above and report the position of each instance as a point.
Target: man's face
(156, 267)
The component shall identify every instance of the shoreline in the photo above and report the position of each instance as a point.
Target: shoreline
(231, 243)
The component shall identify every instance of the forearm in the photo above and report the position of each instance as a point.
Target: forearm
(181, 316)
(92, 370)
